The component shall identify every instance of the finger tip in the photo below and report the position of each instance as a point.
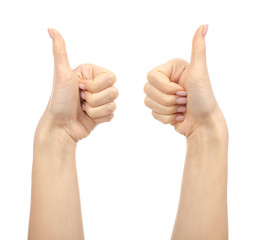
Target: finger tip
(201, 32)
(182, 109)
(82, 95)
(181, 100)
(56, 37)
(82, 86)
(181, 93)
(83, 106)
(50, 32)
(205, 29)
(180, 118)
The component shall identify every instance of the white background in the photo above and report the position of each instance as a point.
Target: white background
(130, 169)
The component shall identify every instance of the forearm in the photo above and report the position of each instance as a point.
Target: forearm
(55, 202)
(202, 212)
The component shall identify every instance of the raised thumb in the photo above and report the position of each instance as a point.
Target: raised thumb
(198, 54)
(59, 50)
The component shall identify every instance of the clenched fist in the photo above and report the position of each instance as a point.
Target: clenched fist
(81, 98)
(179, 93)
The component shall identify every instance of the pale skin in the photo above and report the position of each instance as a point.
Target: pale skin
(81, 99)
(179, 93)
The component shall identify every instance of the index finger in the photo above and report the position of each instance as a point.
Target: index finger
(166, 76)
(94, 78)
(99, 83)
(159, 80)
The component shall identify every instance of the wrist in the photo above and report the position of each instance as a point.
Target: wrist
(48, 134)
(213, 131)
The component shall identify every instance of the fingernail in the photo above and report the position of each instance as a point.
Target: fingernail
(83, 106)
(180, 118)
(50, 33)
(182, 109)
(82, 95)
(181, 93)
(182, 100)
(82, 86)
(205, 30)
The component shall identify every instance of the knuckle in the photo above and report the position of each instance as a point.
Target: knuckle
(160, 118)
(146, 88)
(164, 120)
(114, 93)
(155, 115)
(111, 107)
(111, 77)
(147, 102)
(110, 117)
(107, 82)
(150, 75)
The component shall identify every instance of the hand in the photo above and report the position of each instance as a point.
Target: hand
(74, 111)
(180, 93)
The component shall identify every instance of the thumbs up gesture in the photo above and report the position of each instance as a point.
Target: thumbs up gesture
(180, 93)
(81, 98)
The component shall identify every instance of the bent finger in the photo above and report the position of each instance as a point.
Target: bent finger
(158, 96)
(100, 98)
(99, 83)
(104, 119)
(98, 112)
(168, 119)
(161, 81)
(165, 110)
